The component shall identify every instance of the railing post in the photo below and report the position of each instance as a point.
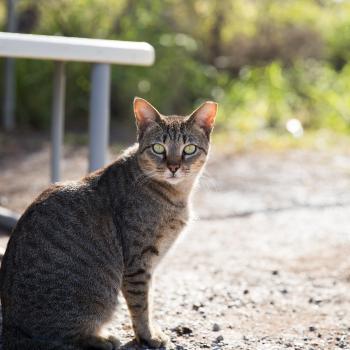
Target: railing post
(57, 124)
(9, 74)
(99, 115)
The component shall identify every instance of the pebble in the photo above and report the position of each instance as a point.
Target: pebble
(197, 306)
(216, 327)
(219, 339)
(182, 330)
(315, 301)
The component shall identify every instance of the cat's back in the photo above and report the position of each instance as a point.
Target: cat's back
(63, 257)
(57, 209)
(67, 217)
(57, 231)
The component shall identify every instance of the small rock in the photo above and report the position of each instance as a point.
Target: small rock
(219, 339)
(246, 291)
(312, 329)
(197, 306)
(216, 327)
(182, 330)
(274, 272)
(315, 301)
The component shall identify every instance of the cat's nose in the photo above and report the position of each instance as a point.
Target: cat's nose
(173, 167)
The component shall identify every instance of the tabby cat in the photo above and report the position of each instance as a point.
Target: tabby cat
(79, 243)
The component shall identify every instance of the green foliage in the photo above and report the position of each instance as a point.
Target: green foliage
(265, 61)
(266, 97)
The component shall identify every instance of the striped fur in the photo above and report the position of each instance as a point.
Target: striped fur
(79, 243)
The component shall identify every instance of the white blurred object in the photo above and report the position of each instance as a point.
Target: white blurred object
(294, 127)
(144, 86)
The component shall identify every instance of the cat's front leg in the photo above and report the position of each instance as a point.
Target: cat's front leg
(136, 290)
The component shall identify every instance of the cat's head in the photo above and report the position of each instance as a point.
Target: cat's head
(173, 148)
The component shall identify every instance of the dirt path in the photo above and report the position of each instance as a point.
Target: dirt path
(264, 265)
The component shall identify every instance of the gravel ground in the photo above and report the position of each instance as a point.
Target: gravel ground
(265, 263)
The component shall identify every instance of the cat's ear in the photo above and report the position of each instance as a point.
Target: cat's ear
(204, 116)
(145, 114)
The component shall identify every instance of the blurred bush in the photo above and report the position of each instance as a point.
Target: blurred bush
(265, 61)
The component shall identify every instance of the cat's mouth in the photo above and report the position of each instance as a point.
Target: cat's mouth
(173, 178)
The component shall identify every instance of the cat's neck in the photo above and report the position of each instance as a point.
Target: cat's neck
(181, 190)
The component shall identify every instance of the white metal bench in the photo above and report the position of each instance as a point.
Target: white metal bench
(102, 53)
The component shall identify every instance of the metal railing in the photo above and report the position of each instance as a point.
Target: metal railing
(101, 53)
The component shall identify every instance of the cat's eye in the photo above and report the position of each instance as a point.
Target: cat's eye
(190, 149)
(158, 148)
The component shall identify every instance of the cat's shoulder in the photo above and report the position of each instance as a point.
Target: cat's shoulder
(60, 188)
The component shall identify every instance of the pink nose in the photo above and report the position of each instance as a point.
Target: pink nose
(173, 168)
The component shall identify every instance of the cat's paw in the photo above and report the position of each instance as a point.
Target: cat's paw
(158, 339)
(99, 343)
(114, 341)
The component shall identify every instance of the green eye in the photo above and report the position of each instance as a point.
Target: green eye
(158, 148)
(190, 149)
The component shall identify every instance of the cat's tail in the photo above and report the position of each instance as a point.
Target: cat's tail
(14, 339)
(24, 344)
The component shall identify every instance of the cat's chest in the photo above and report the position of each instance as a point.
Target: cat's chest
(162, 233)
(168, 226)
(157, 213)
(164, 237)
(151, 226)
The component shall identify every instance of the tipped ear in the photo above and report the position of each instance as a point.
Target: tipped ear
(204, 116)
(145, 113)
